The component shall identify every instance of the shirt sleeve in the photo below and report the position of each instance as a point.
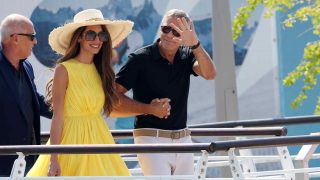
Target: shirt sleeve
(44, 107)
(129, 72)
(192, 59)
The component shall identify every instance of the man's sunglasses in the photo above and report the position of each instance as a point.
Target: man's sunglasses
(168, 29)
(31, 36)
(91, 36)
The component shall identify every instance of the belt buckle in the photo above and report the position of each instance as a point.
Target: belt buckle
(175, 135)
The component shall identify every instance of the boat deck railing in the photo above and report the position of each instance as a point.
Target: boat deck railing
(241, 162)
(250, 131)
(205, 160)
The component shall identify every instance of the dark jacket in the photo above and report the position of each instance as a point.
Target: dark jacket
(13, 124)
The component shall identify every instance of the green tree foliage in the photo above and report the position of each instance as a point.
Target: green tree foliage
(301, 11)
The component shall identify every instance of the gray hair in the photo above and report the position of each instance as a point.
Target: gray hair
(175, 13)
(13, 23)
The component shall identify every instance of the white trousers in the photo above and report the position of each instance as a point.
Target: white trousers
(166, 163)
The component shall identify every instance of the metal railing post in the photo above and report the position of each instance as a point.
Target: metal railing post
(286, 162)
(19, 167)
(235, 167)
(302, 160)
(202, 165)
(247, 165)
(303, 157)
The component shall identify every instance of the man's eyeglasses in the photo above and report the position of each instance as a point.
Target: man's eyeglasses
(91, 36)
(168, 29)
(31, 36)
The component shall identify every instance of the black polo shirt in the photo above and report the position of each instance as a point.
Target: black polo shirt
(151, 76)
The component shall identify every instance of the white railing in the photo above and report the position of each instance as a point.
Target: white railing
(293, 167)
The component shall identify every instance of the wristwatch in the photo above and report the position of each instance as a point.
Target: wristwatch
(195, 46)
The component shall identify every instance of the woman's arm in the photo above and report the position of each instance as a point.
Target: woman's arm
(59, 87)
(129, 107)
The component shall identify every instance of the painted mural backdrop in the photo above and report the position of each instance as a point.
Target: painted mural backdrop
(145, 14)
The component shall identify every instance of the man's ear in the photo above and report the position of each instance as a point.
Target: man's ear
(14, 37)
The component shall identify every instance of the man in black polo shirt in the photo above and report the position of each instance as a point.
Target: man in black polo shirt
(162, 70)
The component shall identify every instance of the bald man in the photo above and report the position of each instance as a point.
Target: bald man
(21, 104)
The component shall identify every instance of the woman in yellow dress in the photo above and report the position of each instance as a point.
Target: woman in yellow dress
(83, 86)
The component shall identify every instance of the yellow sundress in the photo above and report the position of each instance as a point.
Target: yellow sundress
(83, 124)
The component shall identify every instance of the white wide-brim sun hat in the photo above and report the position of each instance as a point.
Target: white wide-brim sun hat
(59, 38)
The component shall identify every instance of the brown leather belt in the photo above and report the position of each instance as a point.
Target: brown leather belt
(175, 134)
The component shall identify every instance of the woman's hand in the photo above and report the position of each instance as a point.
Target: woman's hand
(54, 167)
(161, 107)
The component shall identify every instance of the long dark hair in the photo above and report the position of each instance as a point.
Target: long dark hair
(102, 61)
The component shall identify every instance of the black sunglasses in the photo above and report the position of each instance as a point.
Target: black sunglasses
(31, 36)
(91, 36)
(168, 29)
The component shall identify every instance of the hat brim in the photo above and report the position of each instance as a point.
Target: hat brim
(59, 38)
